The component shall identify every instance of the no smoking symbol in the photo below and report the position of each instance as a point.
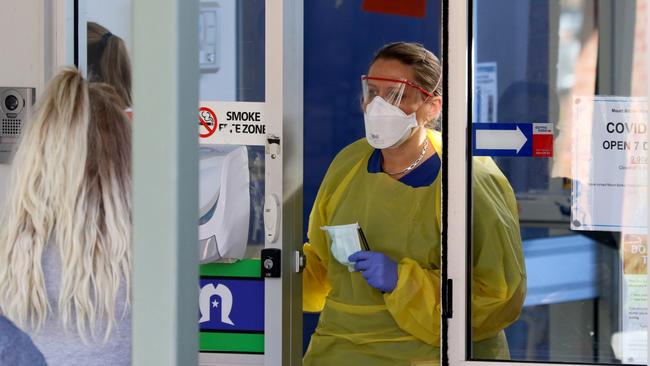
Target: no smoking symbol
(207, 121)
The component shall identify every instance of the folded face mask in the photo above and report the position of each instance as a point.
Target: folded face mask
(345, 242)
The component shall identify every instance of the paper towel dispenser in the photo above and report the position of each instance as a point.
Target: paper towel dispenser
(224, 202)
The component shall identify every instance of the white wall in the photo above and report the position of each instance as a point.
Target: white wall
(22, 60)
(222, 85)
(22, 27)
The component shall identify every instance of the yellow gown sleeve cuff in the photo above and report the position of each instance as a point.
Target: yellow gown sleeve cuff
(315, 285)
(415, 301)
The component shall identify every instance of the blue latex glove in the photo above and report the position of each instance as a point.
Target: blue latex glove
(379, 271)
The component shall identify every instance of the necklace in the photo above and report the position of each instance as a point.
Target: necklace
(415, 163)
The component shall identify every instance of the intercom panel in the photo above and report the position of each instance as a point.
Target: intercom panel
(16, 106)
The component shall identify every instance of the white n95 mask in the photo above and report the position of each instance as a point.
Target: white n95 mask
(387, 125)
(345, 242)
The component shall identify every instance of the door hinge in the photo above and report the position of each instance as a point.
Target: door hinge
(272, 145)
(300, 261)
(447, 299)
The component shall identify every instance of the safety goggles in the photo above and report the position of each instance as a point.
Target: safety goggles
(394, 91)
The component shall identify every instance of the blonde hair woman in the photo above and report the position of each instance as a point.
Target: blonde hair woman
(65, 256)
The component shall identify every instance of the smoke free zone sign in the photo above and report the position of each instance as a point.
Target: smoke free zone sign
(231, 308)
(232, 123)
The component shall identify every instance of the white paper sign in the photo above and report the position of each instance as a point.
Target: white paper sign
(609, 164)
(634, 300)
(485, 82)
(232, 123)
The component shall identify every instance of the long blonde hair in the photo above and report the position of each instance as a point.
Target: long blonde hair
(70, 187)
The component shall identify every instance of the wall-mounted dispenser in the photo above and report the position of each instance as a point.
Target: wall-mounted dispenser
(16, 105)
(224, 202)
(209, 37)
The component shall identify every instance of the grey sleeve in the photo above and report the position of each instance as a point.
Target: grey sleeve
(16, 348)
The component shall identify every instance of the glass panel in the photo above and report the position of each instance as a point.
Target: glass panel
(559, 223)
(232, 129)
(231, 50)
(108, 47)
(232, 133)
(340, 40)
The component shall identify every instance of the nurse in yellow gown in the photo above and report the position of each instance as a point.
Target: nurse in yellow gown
(387, 312)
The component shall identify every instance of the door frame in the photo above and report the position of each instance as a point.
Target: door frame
(165, 182)
(457, 43)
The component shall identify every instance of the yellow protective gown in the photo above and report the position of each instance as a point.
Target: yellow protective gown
(361, 326)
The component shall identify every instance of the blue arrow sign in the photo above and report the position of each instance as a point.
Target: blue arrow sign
(502, 139)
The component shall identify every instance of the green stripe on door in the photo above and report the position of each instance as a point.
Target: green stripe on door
(231, 342)
(242, 268)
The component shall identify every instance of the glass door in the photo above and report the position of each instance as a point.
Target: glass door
(248, 235)
(236, 280)
(232, 119)
(554, 209)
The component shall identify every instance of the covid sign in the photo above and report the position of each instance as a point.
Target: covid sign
(609, 164)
